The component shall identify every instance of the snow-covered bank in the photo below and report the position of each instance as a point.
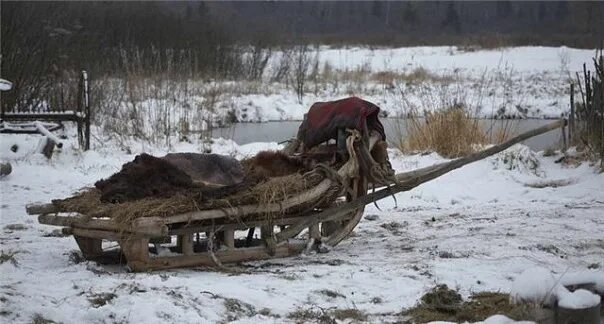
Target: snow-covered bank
(474, 229)
(516, 82)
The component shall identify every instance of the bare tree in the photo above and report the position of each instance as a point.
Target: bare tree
(302, 60)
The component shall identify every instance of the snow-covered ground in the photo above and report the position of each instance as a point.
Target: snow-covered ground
(474, 229)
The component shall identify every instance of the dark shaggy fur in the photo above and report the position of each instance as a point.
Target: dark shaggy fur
(146, 176)
(149, 176)
(267, 164)
(380, 152)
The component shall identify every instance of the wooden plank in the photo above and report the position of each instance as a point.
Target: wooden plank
(241, 211)
(229, 239)
(97, 234)
(229, 256)
(37, 209)
(90, 247)
(41, 116)
(50, 219)
(136, 252)
(187, 244)
(235, 226)
(314, 232)
(40, 127)
(145, 226)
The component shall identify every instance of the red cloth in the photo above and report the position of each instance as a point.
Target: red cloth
(325, 118)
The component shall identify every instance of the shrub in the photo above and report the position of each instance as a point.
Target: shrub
(451, 133)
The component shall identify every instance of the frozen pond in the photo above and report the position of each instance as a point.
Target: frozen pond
(244, 133)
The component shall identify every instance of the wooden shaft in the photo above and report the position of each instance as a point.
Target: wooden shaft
(409, 180)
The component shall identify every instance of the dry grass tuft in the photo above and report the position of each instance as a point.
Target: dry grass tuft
(444, 304)
(273, 190)
(451, 133)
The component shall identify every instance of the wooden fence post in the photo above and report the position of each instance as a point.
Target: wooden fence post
(87, 110)
(80, 112)
(571, 117)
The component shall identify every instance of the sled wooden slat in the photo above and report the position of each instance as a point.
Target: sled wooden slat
(145, 226)
(97, 234)
(37, 209)
(235, 225)
(228, 256)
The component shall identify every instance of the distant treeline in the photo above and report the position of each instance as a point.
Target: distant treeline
(486, 23)
(41, 42)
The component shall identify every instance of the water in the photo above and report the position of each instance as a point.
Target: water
(279, 131)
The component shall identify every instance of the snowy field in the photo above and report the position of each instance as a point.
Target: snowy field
(474, 229)
(515, 82)
(518, 81)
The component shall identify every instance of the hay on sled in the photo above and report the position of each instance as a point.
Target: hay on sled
(88, 202)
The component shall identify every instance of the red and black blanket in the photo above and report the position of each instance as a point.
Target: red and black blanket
(325, 118)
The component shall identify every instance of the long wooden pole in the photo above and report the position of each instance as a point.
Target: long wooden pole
(409, 180)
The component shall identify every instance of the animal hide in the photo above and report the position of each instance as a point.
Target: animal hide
(324, 119)
(149, 176)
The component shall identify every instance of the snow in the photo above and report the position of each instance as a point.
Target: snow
(538, 285)
(535, 285)
(476, 229)
(585, 276)
(5, 85)
(495, 319)
(579, 299)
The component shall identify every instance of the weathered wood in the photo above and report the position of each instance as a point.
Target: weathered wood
(52, 137)
(97, 234)
(144, 226)
(50, 219)
(314, 232)
(37, 209)
(229, 238)
(161, 240)
(282, 250)
(187, 244)
(571, 117)
(136, 252)
(235, 225)
(90, 247)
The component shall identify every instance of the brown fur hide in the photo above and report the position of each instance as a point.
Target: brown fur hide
(149, 176)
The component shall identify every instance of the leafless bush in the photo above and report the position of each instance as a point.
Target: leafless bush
(588, 126)
(302, 61)
(255, 62)
(282, 70)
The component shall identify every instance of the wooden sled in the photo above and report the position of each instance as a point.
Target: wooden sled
(214, 237)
